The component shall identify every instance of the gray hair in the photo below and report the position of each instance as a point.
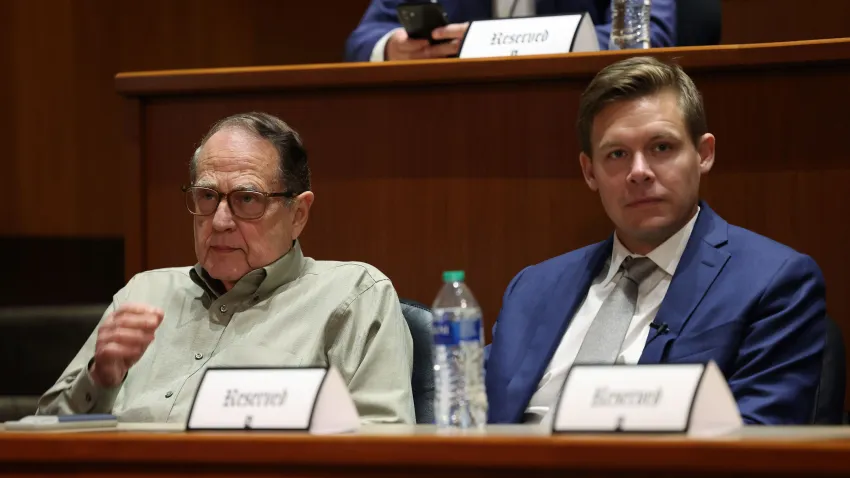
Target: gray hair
(292, 157)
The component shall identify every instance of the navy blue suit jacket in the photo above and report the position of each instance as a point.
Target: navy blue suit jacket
(754, 306)
(381, 17)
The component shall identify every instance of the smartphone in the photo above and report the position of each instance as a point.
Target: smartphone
(419, 18)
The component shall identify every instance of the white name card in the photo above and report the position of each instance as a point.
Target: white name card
(529, 36)
(668, 398)
(269, 398)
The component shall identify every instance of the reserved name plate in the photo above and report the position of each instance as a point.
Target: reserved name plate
(268, 398)
(529, 36)
(671, 398)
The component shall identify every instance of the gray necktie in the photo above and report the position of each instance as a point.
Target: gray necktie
(608, 330)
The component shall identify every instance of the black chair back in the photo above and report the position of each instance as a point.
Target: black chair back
(36, 345)
(419, 319)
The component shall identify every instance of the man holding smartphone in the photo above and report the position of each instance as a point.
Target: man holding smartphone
(380, 36)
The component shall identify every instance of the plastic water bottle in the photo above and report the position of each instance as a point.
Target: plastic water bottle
(460, 400)
(629, 24)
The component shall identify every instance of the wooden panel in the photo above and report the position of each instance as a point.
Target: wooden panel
(61, 121)
(421, 455)
(42, 112)
(8, 125)
(134, 183)
(450, 71)
(761, 21)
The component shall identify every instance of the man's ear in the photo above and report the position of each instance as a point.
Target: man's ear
(301, 212)
(587, 171)
(705, 148)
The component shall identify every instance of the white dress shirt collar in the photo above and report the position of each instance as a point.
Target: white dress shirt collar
(666, 256)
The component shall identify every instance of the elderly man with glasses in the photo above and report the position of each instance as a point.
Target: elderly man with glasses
(253, 298)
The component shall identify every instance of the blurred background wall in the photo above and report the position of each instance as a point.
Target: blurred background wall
(61, 121)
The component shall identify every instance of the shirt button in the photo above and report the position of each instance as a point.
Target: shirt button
(168, 394)
(199, 356)
(223, 309)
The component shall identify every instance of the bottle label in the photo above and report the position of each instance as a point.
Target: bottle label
(449, 332)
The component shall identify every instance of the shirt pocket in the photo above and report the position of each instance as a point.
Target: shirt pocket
(254, 356)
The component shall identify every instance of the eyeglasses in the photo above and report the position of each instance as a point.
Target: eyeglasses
(243, 204)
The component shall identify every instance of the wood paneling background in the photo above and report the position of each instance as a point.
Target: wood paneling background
(762, 21)
(61, 122)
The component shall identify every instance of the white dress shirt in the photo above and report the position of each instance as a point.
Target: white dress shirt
(650, 294)
(501, 9)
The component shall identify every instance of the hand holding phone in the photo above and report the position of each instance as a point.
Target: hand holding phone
(450, 32)
(420, 18)
(426, 33)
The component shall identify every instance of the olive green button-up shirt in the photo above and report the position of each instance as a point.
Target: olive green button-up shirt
(293, 312)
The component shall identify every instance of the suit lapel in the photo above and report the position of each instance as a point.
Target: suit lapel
(699, 266)
(562, 302)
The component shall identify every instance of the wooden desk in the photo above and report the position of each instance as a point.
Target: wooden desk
(418, 452)
(421, 167)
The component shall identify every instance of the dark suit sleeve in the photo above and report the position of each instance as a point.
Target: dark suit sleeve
(779, 362)
(662, 30)
(505, 299)
(379, 19)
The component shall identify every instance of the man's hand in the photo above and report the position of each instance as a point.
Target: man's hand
(121, 340)
(401, 47)
(454, 32)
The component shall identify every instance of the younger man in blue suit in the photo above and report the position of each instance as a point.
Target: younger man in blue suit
(674, 283)
(379, 35)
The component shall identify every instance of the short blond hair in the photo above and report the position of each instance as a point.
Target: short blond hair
(635, 78)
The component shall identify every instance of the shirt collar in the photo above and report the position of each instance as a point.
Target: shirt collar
(259, 283)
(666, 256)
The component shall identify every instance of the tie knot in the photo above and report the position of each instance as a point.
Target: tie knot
(638, 268)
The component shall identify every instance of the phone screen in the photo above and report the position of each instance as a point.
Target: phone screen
(419, 19)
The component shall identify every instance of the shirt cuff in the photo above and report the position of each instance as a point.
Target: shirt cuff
(89, 397)
(379, 50)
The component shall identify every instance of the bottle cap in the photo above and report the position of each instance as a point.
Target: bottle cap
(453, 276)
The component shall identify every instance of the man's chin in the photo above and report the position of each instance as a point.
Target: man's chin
(648, 223)
(654, 229)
